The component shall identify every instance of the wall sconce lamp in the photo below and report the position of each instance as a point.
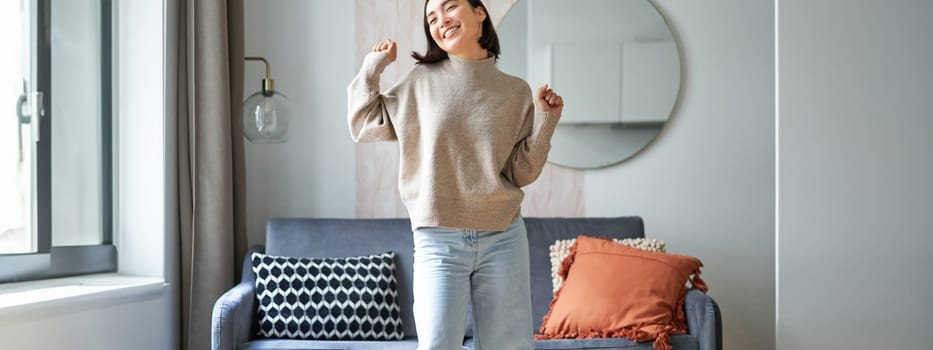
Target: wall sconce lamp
(267, 112)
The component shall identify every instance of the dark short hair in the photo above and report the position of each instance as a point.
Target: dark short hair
(489, 40)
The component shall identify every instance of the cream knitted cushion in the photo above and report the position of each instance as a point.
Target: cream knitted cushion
(561, 248)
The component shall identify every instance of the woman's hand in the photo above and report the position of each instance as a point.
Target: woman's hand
(388, 46)
(549, 101)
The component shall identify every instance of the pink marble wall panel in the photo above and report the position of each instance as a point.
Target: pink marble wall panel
(498, 9)
(558, 192)
(377, 163)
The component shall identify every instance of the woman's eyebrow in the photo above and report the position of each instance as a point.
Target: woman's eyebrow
(442, 6)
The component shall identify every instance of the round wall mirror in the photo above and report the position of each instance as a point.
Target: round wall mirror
(615, 62)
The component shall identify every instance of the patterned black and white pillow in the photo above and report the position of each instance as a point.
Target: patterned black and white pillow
(351, 298)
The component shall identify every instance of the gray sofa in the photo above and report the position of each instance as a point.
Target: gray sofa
(235, 324)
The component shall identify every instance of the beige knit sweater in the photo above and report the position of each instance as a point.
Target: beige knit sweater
(468, 135)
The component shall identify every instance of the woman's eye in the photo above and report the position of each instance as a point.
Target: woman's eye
(431, 21)
(451, 7)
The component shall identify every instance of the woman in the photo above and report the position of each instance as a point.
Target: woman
(469, 138)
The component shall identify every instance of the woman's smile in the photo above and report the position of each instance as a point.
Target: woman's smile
(451, 31)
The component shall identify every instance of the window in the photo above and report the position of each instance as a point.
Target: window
(56, 153)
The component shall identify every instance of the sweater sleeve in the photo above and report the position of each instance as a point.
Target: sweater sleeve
(530, 152)
(369, 112)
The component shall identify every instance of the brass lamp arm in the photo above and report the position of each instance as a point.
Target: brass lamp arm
(268, 85)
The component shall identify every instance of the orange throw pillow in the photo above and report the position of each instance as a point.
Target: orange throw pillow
(613, 291)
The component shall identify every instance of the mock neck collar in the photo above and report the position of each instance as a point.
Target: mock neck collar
(487, 64)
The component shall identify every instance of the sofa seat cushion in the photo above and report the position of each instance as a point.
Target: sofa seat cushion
(409, 343)
(678, 342)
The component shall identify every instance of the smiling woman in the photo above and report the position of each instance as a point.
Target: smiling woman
(470, 137)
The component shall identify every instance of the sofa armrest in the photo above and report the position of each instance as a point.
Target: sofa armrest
(704, 320)
(234, 315)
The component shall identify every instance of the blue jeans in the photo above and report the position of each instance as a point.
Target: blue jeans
(453, 266)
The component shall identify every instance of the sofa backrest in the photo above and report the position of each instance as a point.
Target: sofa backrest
(318, 238)
(312, 237)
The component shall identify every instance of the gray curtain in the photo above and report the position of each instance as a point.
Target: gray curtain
(211, 169)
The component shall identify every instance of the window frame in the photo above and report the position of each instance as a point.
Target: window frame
(50, 261)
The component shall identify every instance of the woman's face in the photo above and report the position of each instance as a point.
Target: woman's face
(455, 26)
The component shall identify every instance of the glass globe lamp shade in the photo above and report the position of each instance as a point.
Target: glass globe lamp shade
(266, 116)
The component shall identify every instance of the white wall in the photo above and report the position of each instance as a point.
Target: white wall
(856, 163)
(310, 47)
(138, 322)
